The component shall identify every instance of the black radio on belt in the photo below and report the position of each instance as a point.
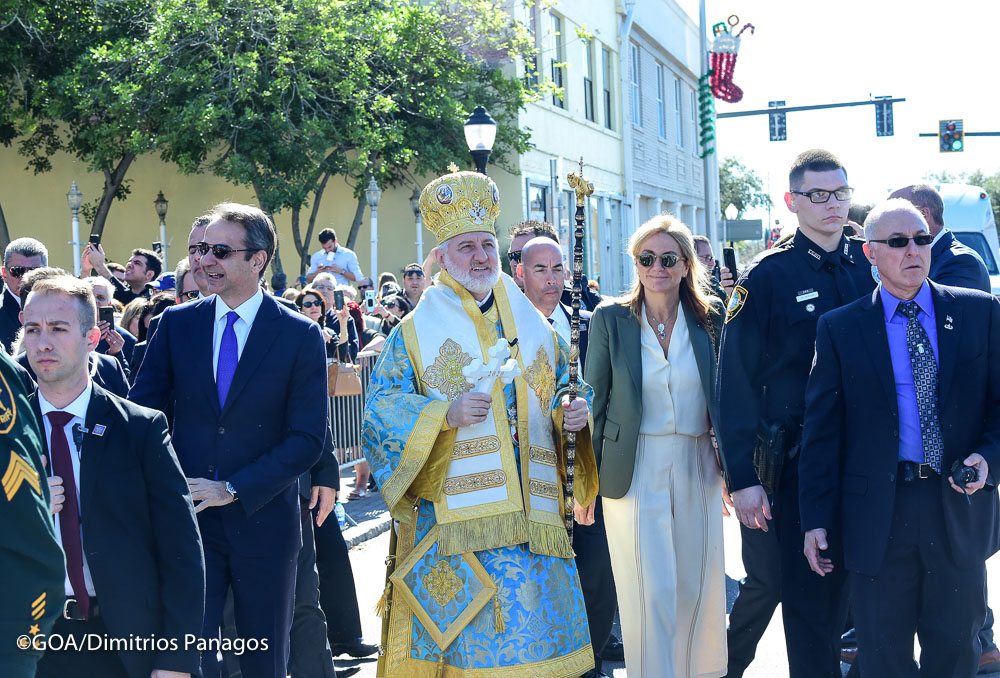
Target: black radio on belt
(963, 475)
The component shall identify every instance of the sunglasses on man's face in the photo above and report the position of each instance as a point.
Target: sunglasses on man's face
(669, 260)
(218, 251)
(19, 271)
(189, 295)
(514, 257)
(413, 274)
(897, 241)
(310, 304)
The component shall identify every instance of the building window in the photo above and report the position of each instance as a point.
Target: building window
(694, 121)
(588, 81)
(678, 125)
(606, 73)
(633, 78)
(661, 109)
(556, 57)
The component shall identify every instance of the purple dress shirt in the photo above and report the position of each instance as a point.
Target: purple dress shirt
(911, 446)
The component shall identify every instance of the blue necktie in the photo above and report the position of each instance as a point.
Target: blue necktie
(925, 380)
(228, 357)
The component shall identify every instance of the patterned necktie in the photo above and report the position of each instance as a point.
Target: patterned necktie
(925, 381)
(69, 517)
(228, 357)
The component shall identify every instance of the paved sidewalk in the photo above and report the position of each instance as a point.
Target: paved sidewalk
(369, 512)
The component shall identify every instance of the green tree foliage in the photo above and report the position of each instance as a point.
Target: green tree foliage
(740, 186)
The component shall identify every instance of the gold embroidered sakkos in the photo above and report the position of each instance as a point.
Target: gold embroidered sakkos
(542, 455)
(445, 374)
(475, 447)
(541, 378)
(442, 583)
(541, 488)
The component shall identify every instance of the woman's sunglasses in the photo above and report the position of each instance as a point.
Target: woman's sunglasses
(391, 304)
(669, 260)
(310, 304)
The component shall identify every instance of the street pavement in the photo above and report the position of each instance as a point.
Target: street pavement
(367, 561)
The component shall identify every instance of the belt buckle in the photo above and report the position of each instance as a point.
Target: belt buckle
(924, 470)
(65, 612)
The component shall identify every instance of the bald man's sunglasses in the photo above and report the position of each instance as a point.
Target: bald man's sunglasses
(897, 241)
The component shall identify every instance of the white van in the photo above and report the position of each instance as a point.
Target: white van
(969, 214)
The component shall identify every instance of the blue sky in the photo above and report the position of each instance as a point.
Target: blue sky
(940, 56)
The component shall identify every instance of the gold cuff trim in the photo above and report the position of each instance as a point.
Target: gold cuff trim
(415, 453)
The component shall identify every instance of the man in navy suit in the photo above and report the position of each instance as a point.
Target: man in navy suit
(952, 263)
(541, 273)
(223, 362)
(883, 428)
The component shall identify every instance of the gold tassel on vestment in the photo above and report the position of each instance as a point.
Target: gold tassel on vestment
(480, 534)
(382, 606)
(498, 615)
(549, 540)
(440, 666)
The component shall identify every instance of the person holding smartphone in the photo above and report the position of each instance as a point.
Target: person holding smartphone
(333, 318)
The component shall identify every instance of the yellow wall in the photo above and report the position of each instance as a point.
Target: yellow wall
(36, 206)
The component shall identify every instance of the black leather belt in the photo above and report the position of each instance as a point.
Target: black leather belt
(72, 611)
(911, 471)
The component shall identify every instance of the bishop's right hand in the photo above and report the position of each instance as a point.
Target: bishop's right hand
(470, 408)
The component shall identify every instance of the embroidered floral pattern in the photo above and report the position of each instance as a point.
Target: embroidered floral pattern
(442, 583)
(541, 378)
(445, 374)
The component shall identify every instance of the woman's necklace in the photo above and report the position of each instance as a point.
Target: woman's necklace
(661, 329)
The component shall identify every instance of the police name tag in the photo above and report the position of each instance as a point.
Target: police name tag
(806, 295)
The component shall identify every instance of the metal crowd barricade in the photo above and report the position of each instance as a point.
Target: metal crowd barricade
(347, 413)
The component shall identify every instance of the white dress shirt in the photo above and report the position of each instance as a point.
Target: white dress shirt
(344, 258)
(561, 323)
(78, 408)
(247, 312)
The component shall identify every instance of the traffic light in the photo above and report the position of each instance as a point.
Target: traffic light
(951, 136)
(883, 117)
(776, 121)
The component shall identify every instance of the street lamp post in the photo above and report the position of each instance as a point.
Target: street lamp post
(160, 205)
(480, 133)
(374, 195)
(75, 199)
(415, 206)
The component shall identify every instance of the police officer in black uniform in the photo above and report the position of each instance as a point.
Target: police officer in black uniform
(767, 350)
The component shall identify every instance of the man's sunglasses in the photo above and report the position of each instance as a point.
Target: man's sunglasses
(819, 197)
(188, 296)
(922, 240)
(19, 271)
(218, 251)
(310, 304)
(413, 274)
(669, 260)
(514, 257)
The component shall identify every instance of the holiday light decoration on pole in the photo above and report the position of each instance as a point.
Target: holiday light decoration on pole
(583, 190)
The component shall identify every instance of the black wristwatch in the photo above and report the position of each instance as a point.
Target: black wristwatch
(231, 490)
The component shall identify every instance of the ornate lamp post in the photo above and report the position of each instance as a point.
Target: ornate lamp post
(373, 194)
(415, 206)
(480, 133)
(160, 205)
(75, 199)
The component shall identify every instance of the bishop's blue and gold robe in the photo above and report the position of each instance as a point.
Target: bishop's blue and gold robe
(514, 609)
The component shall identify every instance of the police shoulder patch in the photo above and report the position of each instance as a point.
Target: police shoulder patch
(736, 301)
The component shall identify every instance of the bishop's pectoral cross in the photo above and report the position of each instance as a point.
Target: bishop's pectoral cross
(500, 366)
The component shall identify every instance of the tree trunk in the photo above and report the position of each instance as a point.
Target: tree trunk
(312, 220)
(4, 233)
(356, 226)
(113, 180)
(276, 267)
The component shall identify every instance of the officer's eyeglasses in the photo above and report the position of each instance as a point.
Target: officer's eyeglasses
(669, 260)
(897, 241)
(841, 194)
(218, 251)
(19, 271)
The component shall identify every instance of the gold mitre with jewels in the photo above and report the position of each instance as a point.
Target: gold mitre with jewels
(460, 202)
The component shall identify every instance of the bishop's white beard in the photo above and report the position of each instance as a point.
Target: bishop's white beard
(476, 284)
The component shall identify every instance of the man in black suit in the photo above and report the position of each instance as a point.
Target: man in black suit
(134, 569)
(883, 428)
(22, 255)
(223, 362)
(952, 263)
(541, 273)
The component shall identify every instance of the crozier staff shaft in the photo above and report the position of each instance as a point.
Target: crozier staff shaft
(583, 190)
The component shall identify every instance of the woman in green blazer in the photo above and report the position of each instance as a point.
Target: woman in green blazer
(651, 361)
